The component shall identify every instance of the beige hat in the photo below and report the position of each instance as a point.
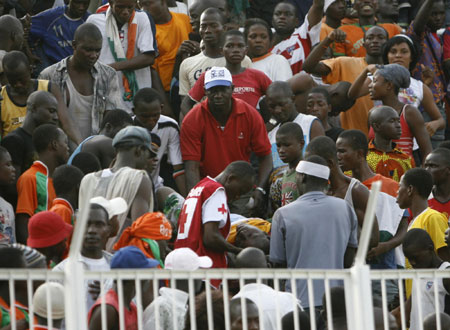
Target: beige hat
(56, 294)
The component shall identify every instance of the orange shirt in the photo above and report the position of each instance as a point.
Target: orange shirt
(64, 209)
(388, 185)
(169, 37)
(35, 190)
(355, 38)
(325, 30)
(348, 69)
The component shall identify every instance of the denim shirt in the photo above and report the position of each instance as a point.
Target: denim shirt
(107, 94)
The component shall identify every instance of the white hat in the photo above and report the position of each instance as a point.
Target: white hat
(217, 76)
(186, 259)
(327, 4)
(113, 206)
(56, 296)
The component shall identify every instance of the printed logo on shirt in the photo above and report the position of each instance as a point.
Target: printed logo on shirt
(243, 90)
(429, 285)
(241, 135)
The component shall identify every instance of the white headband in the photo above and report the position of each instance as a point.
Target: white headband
(313, 169)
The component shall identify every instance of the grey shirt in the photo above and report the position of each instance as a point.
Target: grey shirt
(313, 232)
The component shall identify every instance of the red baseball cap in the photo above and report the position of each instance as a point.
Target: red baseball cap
(47, 229)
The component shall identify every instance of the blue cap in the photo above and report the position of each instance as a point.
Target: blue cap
(132, 257)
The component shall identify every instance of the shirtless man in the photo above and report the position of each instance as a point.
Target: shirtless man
(342, 186)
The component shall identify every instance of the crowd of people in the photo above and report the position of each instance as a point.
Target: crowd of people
(224, 134)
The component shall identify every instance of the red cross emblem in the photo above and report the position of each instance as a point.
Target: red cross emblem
(222, 209)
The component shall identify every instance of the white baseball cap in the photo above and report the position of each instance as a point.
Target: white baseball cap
(218, 76)
(327, 4)
(113, 206)
(186, 259)
(56, 294)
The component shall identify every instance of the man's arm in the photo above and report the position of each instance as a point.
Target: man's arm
(192, 173)
(22, 227)
(349, 256)
(417, 125)
(180, 180)
(213, 239)
(66, 120)
(265, 167)
(315, 13)
(420, 21)
(360, 195)
(141, 203)
(112, 318)
(395, 241)
(444, 253)
(186, 105)
(316, 129)
(138, 62)
(312, 63)
(157, 84)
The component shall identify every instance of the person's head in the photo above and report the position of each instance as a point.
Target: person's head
(78, 8)
(234, 46)
(197, 7)
(122, 10)
(337, 303)
(418, 247)
(251, 257)
(156, 8)
(445, 144)
(238, 179)
(251, 236)
(324, 147)
(280, 101)
(402, 50)
(43, 108)
(430, 322)
(288, 320)
(212, 23)
(87, 162)
(338, 96)
(148, 105)
(415, 183)
(378, 317)
(11, 32)
(436, 19)
(50, 294)
(219, 89)
(335, 10)
(290, 142)
(374, 39)
(237, 314)
(385, 122)
(66, 181)
(387, 80)
(352, 148)
(114, 121)
(87, 45)
(312, 174)
(33, 258)
(258, 35)
(318, 103)
(48, 233)
(7, 170)
(136, 143)
(49, 139)
(437, 164)
(201, 315)
(388, 9)
(365, 8)
(11, 257)
(285, 18)
(18, 71)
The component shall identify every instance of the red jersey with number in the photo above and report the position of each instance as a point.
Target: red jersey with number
(190, 222)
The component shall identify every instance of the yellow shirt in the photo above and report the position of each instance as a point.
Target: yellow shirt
(13, 114)
(435, 224)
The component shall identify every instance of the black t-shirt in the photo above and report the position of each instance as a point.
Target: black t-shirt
(334, 132)
(20, 146)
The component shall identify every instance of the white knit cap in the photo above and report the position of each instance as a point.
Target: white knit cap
(56, 296)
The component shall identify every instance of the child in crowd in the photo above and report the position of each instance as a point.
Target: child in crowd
(318, 104)
(290, 144)
(40, 303)
(7, 177)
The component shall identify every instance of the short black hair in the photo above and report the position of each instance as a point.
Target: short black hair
(445, 144)
(444, 153)
(44, 135)
(14, 59)
(377, 26)
(116, 118)
(234, 33)
(66, 178)
(280, 86)
(10, 257)
(288, 320)
(256, 21)
(357, 140)
(215, 11)
(241, 169)
(293, 5)
(323, 91)
(87, 162)
(292, 129)
(147, 95)
(414, 48)
(420, 179)
(418, 237)
(87, 31)
(322, 146)
(3, 152)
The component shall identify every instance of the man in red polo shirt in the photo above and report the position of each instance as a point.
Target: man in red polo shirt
(223, 129)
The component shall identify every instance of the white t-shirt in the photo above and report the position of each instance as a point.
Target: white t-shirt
(276, 67)
(144, 44)
(181, 8)
(192, 68)
(7, 223)
(215, 208)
